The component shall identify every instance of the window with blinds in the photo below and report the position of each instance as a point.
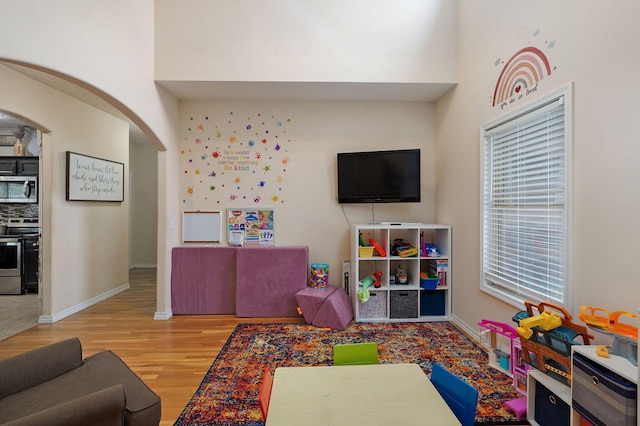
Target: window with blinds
(525, 203)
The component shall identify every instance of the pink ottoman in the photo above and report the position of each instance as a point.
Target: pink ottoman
(329, 307)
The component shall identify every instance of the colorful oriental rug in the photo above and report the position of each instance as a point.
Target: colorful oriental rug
(228, 394)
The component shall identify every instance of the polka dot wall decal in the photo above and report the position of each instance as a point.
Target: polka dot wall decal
(239, 156)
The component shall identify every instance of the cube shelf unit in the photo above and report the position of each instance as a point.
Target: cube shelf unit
(392, 301)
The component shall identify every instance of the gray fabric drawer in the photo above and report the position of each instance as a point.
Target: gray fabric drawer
(601, 396)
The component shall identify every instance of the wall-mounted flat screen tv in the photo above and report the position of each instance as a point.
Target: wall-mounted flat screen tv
(379, 176)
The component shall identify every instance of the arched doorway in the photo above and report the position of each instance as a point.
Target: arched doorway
(139, 145)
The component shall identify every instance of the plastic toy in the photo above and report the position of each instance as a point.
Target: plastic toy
(499, 327)
(518, 405)
(409, 251)
(429, 280)
(546, 320)
(625, 336)
(401, 276)
(377, 275)
(403, 249)
(610, 323)
(363, 293)
(378, 247)
(548, 345)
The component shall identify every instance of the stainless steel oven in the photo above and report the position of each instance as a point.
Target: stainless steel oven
(27, 229)
(10, 265)
(18, 189)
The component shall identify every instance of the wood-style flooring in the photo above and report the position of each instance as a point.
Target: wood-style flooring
(171, 356)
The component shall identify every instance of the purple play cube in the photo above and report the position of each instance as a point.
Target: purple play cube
(329, 307)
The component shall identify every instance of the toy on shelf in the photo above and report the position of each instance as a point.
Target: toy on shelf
(401, 276)
(377, 275)
(427, 249)
(547, 333)
(429, 280)
(378, 247)
(363, 292)
(625, 336)
(403, 249)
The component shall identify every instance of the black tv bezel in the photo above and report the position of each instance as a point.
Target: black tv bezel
(371, 199)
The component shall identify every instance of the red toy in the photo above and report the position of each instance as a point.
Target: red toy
(378, 247)
(377, 275)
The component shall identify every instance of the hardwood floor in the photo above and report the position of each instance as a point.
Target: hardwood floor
(171, 356)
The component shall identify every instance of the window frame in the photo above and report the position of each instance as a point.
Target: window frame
(564, 95)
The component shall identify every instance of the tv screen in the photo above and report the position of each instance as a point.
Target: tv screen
(379, 176)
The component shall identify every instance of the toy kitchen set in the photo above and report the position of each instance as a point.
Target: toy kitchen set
(19, 225)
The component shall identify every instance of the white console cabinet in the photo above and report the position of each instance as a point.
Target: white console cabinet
(605, 387)
(393, 301)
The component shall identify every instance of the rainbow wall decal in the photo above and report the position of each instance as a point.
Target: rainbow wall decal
(523, 70)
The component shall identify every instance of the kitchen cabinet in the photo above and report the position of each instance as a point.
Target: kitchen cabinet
(16, 166)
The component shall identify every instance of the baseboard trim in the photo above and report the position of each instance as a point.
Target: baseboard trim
(473, 333)
(143, 266)
(49, 319)
(163, 315)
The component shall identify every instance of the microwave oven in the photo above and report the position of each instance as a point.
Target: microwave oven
(18, 189)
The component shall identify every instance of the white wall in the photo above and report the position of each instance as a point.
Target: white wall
(310, 135)
(107, 48)
(143, 175)
(85, 243)
(407, 41)
(592, 44)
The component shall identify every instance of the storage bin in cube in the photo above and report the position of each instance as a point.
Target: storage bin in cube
(403, 304)
(601, 396)
(375, 307)
(432, 302)
(550, 409)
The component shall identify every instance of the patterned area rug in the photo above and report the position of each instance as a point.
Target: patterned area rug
(228, 394)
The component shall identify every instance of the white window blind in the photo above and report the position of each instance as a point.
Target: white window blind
(525, 204)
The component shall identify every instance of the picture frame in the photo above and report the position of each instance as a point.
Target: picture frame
(93, 179)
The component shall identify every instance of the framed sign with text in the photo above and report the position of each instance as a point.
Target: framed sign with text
(94, 179)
